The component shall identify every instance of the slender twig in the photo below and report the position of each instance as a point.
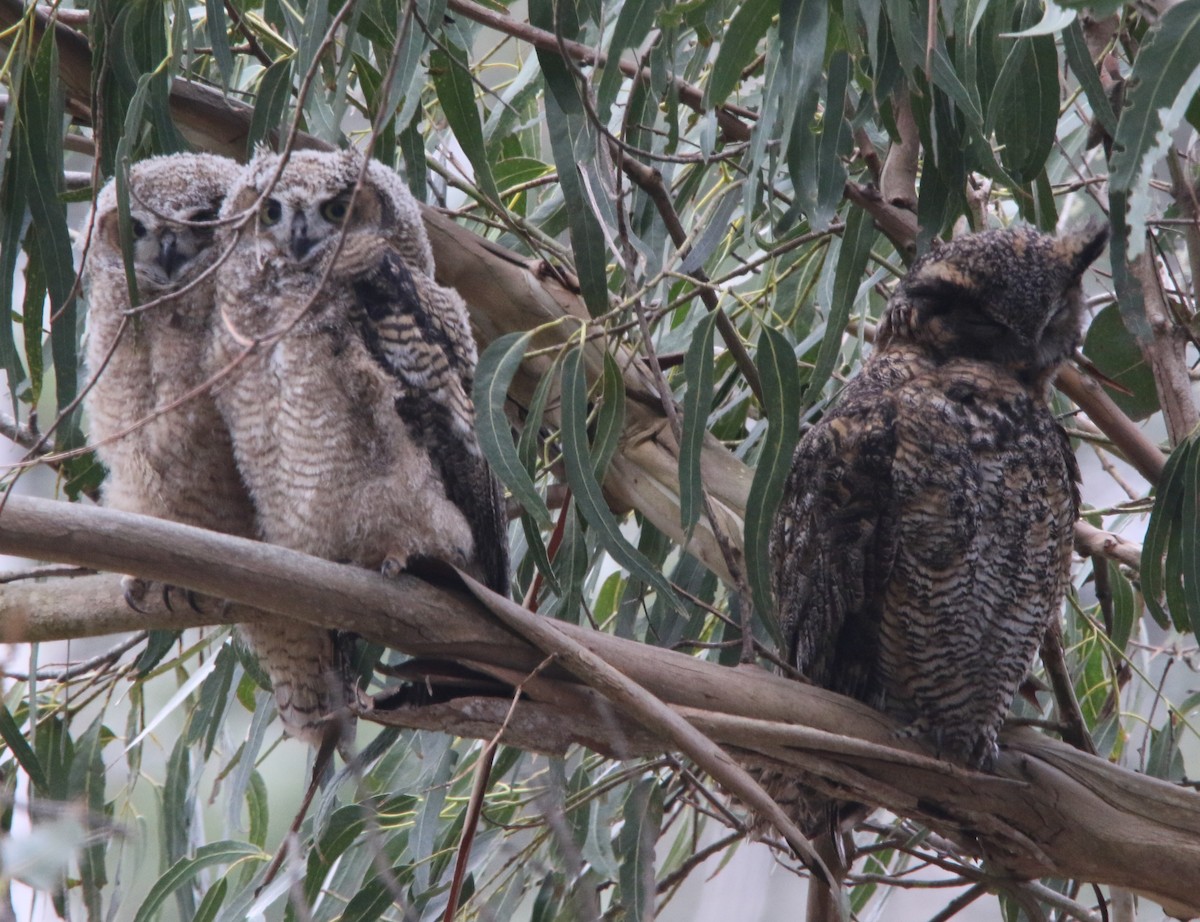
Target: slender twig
(729, 117)
(959, 903)
(251, 39)
(80, 668)
(1075, 730)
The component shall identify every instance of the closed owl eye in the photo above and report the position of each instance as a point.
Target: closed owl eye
(270, 212)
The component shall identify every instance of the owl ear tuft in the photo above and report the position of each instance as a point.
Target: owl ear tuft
(1081, 247)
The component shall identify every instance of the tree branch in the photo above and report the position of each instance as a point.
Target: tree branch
(1048, 810)
(728, 117)
(1165, 353)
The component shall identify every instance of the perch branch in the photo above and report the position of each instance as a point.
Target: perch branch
(1048, 811)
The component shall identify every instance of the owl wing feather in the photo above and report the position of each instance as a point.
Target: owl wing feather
(414, 329)
(833, 546)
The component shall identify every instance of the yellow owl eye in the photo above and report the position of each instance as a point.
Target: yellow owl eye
(270, 212)
(335, 210)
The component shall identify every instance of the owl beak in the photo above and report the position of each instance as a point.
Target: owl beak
(301, 243)
(169, 256)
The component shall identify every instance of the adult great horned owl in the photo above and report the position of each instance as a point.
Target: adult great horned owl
(924, 539)
(352, 420)
(179, 463)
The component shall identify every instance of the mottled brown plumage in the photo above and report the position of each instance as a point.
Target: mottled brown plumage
(923, 543)
(353, 423)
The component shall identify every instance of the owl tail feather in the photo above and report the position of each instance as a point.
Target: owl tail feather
(826, 821)
(310, 676)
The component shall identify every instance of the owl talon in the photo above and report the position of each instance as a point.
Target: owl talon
(391, 567)
(134, 590)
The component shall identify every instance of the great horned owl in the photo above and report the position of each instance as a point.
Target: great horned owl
(352, 420)
(169, 454)
(923, 542)
(178, 464)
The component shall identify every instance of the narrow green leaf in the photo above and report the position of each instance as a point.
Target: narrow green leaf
(634, 23)
(834, 144)
(13, 218)
(1164, 759)
(185, 870)
(1161, 85)
(1084, 68)
(610, 420)
(571, 563)
(87, 786)
(343, 829)
(41, 111)
(1187, 620)
(21, 751)
(493, 376)
(56, 750)
(738, 47)
(33, 313)
(125, 150)
(412, 148)
(795, 58)
(176, 818)
(158, 645)
(428, 825)
(1120, 251)
(1123, 606)
(211, 904)
(1159, 549)
(258, 810)
(209, 714)
(370, 902)
(781, 397)
(450, 69)
(577, 460)
(528, 447)
(698, 372)
(1023, 105)
(218, 37)
(636, 841)
(270, 105)
(855, 249)
(572, 142)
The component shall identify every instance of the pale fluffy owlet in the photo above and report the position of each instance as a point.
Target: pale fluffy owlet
(178, 465)
(923, 542)
(352, 421)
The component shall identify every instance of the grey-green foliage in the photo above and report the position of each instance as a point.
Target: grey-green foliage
(182, 787)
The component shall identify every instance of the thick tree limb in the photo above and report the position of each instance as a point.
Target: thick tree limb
(1049, 809)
